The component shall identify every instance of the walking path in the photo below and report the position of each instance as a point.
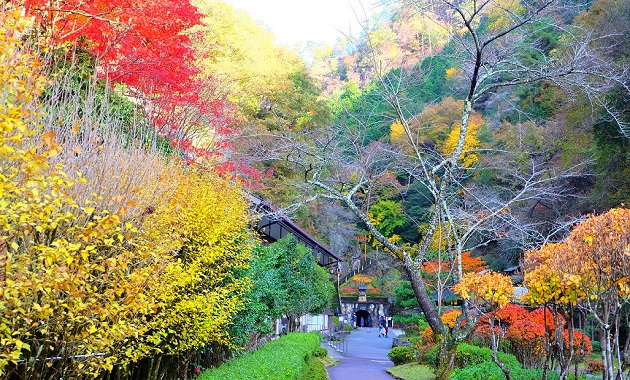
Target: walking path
(365, 356)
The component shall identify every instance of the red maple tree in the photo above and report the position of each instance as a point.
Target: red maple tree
(140, 43)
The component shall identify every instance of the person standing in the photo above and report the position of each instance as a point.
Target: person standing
(381, 326)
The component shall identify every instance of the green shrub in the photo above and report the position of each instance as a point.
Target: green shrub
(411, 319)
(347, 327)
(293, 356)
(430, 356)
(401, 355)
(469, 355)
(320, 352)
(315, 370)
(597, 346)
(488, 370)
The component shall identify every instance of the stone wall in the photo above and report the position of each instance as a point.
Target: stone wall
(375, 306)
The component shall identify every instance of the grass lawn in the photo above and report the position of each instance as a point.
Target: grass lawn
(412, 371)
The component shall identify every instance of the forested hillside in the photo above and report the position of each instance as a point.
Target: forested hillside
(405, 75)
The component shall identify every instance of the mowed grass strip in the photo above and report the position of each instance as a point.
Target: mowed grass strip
(412, 371)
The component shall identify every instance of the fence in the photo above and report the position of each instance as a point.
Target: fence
(337, 341)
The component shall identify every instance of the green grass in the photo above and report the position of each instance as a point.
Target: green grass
(291, 357)
(412, 371)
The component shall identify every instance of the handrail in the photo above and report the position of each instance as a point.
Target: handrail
(362, 267)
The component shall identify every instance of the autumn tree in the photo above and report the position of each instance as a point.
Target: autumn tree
(76, 279)
(488, 293)
(131, 43)
(595, 279)
(94, 292)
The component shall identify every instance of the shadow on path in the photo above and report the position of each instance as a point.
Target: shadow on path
(365, 356)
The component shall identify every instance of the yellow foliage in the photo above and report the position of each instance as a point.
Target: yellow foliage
(501, 13)
(439, 125)
(72, 281)
(450, 317)
(397, 132)
(206, 223)
(450, 72)
(77, 280)
(598, 267)
(362, 278)
(471, 141)
(490, 289)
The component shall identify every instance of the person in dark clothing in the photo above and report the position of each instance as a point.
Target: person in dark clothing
(382, 324)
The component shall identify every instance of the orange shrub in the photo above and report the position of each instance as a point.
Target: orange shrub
(510, 314)
(594, 366)
(543, 317)
(427, 336)
(582, 346)
(450, 316)
(527, 339)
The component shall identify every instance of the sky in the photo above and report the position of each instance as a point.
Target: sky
(294, 22)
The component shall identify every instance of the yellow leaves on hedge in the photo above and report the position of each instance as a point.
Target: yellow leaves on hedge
(490, 289)
(75, 279)
(205, 223)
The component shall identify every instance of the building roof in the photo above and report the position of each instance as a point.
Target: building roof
(446, 294)
(274, 226)
(512, 269)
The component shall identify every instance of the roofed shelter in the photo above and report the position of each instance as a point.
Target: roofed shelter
(273, 226)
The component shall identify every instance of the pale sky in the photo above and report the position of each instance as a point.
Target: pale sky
(294, 22)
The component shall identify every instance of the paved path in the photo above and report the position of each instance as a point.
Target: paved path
(366, 356)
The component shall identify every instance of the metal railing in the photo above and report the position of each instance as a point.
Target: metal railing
(337, 341)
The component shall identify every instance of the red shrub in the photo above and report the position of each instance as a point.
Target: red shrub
(482, 335)
(510, 314)
(582, 346)
(541, 316)
(594, 366)
(527, 339)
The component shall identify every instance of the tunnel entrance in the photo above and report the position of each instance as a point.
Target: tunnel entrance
(363, 318)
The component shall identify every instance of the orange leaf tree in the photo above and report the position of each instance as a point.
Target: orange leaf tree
(596, 278)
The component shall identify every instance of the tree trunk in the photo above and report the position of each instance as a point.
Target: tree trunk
(495, 350)
(446, 359)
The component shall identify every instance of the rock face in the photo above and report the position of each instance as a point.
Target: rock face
(400, 340)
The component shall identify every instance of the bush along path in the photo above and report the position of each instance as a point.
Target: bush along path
(366, 356)
(293, 356)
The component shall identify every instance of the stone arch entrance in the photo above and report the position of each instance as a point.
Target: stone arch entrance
(363, 318)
